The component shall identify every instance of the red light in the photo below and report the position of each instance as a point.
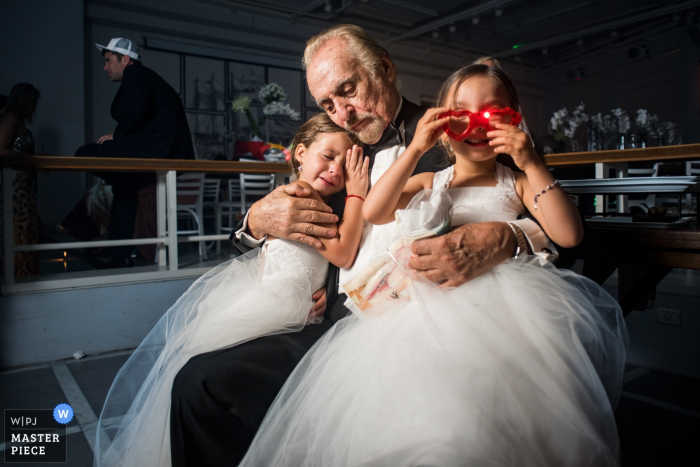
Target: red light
(487, 114)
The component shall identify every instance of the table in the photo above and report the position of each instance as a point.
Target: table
(658, 251)
(653, 252)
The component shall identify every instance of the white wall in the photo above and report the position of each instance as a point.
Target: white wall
(49, 326)
(42, 44)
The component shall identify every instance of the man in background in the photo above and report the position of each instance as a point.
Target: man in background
(151, 124)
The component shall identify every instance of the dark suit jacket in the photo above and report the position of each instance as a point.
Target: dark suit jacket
(151, 121)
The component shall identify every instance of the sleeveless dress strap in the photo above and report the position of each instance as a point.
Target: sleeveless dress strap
(443, 178)
(506, 183)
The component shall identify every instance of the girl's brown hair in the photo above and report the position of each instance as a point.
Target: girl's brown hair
(308, 133)
(22, 101)
(449, 89)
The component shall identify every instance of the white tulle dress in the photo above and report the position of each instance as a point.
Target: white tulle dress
(520, 367)
(264, 292)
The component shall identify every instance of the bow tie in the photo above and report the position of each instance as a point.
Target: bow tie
(391, 137)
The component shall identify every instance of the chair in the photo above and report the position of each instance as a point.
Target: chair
(190, 205)
(238, 202)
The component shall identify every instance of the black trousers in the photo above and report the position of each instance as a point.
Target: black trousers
(125, 200)
(219, 399)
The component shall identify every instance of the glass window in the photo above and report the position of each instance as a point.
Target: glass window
(205, 83)
(245, 80)
(208, 133)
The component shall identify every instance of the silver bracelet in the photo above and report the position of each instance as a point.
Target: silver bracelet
(549, 187)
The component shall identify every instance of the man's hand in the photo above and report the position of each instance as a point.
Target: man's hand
(463, 254)
(287, 213)
(105, 138)
(320, 300)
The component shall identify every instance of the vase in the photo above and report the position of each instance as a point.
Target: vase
(620, 142)
(595, 140)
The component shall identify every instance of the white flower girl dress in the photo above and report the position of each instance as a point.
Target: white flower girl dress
(522, 366)
(267, 291)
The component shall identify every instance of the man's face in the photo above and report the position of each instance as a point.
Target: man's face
(115, 67)
(345, 89)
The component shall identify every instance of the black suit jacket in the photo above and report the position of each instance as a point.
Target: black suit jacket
(151, 121)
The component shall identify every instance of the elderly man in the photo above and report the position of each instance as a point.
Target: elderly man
(151, 123)
(219, 399)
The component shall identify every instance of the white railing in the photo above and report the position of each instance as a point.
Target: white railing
(167, 259)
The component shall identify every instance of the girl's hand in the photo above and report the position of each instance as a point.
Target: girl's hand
(356, 172)
(429, 130)
(509, 139)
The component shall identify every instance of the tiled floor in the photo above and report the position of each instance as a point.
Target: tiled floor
(658, 416)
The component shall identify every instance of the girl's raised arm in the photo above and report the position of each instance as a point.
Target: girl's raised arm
(555, 212)
(396, 187)
(342, 248)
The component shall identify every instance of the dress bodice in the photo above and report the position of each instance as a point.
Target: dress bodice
(499, 203)
(24, 143)
(297, 263)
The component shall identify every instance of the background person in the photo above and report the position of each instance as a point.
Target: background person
(151, 123)
(17, 140)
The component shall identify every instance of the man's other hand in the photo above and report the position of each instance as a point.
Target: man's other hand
(105, 138)
(320, 300)
(463, 254)
(287, 213)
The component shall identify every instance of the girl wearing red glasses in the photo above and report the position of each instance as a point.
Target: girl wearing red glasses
(521, 366)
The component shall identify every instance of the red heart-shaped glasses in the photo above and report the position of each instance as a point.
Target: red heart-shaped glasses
(464, 121)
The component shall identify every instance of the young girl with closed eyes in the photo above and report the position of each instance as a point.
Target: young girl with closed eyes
(521, 366)
(267, 291)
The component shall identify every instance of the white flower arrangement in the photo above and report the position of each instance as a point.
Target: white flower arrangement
(563, 124)
(272, 92)
(271, 95)
(595, 122)
(642, 118)
(278, 108)
(241, 104)
(623, 121)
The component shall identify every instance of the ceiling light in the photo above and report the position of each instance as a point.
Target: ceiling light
(499, 12)
(517, 58)
(452, 28)
(436, 33)
(475, 20)
(327, 8)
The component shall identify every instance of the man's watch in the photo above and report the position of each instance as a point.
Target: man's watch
(522, 245)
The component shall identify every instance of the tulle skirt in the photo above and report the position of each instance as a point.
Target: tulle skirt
(522, 366)
(248, 297)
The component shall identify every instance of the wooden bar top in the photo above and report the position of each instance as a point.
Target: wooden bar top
(104, 164)
(684, 151)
